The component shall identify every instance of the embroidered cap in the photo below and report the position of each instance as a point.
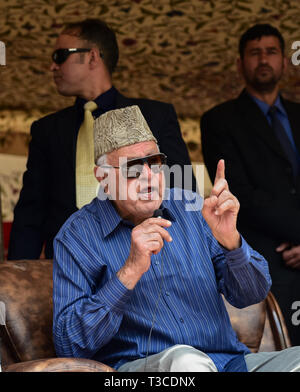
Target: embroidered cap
(119, 128)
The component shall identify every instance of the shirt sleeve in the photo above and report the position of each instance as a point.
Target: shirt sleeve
(85, 316)
(242, 274)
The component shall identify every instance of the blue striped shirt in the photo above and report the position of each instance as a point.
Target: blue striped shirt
(96, 316)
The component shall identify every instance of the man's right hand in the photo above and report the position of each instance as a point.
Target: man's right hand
(147, 238)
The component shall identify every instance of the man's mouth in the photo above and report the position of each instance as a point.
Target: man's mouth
(56, 78)
(149, 193)
(264, 69)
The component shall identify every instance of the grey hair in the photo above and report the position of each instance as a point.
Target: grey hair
(102, 160)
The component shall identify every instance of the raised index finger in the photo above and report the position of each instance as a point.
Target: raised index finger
(220, 173)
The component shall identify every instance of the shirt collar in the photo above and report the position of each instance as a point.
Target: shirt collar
(265, 107)
(166, 212)
(105, 101)
(109, 219)
(107, 216)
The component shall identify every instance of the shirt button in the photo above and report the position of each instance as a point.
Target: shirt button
(167, 293)
(181, 320)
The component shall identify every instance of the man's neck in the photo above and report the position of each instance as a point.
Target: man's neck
(267, 97)
(95, 92)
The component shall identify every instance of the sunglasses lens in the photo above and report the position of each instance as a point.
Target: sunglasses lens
(156, 160)
(134, 168)
(60, 55)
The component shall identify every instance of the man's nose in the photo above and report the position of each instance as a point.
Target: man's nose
(263, 57)
(53, 66)
(146, 172)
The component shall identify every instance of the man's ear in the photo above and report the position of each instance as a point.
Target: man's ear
(94, 57)
(99, 173)
(102, 177)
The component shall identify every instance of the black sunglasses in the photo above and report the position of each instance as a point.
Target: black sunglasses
(134, 167)
(59, 56)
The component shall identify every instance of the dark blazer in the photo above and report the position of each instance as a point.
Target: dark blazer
(260, 176)
(48, 194)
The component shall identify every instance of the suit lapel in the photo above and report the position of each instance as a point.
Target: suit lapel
(256, 122)
(293, 115)
(67, 134)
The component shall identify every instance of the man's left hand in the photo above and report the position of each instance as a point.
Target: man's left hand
(290, 254)
(220, 210)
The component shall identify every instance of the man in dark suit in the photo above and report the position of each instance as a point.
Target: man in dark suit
(85, 56)
(258, 135)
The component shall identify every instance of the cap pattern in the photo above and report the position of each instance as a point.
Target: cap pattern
(119, 128)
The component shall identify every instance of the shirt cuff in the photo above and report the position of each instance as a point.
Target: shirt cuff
(237, 257)
(115, 294)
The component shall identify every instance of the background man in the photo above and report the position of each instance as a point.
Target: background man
(85, 56)
(142, 293)
(258, 136)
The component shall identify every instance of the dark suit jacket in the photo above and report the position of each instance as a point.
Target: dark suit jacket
(48, 195)
(257, 170)
(260, 176)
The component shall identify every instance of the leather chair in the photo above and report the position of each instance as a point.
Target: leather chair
(26, 331)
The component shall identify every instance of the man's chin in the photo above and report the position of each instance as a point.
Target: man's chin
(65, 93)
(264, 86)
(264, 82)
(148, 206)
(62, 90)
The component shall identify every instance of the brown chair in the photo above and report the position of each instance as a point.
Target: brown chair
(26, 321)
(26, 294)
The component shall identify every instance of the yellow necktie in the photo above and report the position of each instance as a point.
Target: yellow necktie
(86, 183)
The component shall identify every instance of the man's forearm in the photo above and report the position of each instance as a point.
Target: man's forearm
(246, 279)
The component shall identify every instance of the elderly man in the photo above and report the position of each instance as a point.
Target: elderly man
(143, 293)
(84, 59)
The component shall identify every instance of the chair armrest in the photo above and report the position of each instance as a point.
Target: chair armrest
(277, 323)
(59, 365)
